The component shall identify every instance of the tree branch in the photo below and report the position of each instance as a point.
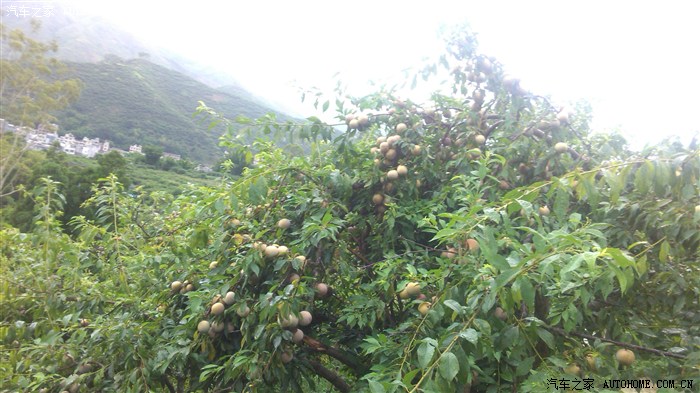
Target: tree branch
(562, 332)
(339, 355)
(168, 384)
(330, 376)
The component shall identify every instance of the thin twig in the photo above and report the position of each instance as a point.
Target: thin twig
(330, 376)
(562, 332)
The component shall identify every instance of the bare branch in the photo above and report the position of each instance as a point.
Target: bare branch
(345, 358)
(168, 384)
(330, 376)
(562, 332)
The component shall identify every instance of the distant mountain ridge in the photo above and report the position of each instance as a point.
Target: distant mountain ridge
(88, 39)
(137, 102)
(139, 94)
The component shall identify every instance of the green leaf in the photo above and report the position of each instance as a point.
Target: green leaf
(621, 277)
(425, 353)
(258, 190)
(623, 260)
(664, 250)
(409, 377)
(561, 203)
(374, 386)
(527, 291)
(515, 292)
(546, 336)
(642, 265)
(506, 277)
(209, 369)
(573, 264)
(470, 335)
(453, 305)
(449, 366)
(259, 330)
(411, 269)
(446, 232)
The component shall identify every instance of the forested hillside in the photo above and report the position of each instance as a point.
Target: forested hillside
(138, 102)
(136, 93)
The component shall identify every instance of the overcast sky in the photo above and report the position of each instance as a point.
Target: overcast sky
(638, 63)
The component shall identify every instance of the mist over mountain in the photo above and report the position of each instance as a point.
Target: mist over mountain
(138, 93)
(88, 39)
(137, 102)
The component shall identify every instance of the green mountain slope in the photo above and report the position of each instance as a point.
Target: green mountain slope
(138, 102)
(89, 39)
(139, 93)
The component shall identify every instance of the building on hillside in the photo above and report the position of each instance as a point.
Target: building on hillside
(67, 142)
(203, 168)
(135, 149)
(48, 127)
(120, 151)
(90, 147)
(173, 156)
(40, 140)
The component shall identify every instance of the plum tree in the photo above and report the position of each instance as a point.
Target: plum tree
(456, 281)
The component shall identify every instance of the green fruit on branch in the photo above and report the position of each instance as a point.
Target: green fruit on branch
(284, 223)
(590, 361)
(217, 308)
(289, 322)
(471, 244)
(402, 170)
(305, 318)
(561, 147)
(321, 290)
(297, 336)
(229, 298)
(282, 250)
(286, 357)
(271, 251)
(573, 369)
(217, 326)
(243, 311)
(203, 327)
(625, 357)
(500, 314)
(412, 288)
(363, 120)
(424, 308)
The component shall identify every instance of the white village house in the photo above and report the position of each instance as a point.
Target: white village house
(44, 138)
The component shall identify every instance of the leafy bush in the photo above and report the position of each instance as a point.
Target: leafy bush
(494, 245)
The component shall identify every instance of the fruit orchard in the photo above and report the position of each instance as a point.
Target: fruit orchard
(481, 241)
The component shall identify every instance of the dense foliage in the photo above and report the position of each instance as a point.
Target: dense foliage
(76, 176)
(483, 241)
(32, 85)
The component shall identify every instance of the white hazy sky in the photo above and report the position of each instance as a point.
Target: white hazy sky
(637, 62)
